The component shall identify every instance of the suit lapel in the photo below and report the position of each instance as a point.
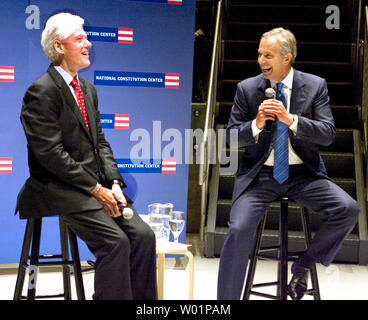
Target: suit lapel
(262, 86)
(69, 98)
(298, 94)
(91, 115)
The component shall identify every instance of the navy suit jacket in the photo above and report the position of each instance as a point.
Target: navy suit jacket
(309, 101)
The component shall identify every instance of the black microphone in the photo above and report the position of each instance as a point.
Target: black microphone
(271, 94)
(127, 212)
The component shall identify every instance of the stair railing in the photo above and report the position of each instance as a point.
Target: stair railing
(205, 146)
(365, 91)
(362, 193)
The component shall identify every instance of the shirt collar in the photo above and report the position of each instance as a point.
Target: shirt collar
(65, 75)
(287, 81)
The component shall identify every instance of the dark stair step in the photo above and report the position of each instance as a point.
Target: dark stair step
(331, 71)
(303, 32)
(339, 164)
(343, 142)
(341, 93)
(283, 13)
(307, 51)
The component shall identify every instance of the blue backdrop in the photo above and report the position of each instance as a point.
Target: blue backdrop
(141, 64)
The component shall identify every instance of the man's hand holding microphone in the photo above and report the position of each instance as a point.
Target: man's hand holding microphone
(270, 109)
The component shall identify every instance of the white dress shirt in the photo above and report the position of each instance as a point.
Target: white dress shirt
(68, 79)
(286, 89)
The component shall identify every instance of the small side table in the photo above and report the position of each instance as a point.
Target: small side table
(163, 248)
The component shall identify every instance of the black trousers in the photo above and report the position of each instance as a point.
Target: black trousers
(125, 252)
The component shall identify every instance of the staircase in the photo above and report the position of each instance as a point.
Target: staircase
(327, 53)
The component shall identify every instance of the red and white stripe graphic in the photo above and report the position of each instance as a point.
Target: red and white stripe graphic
(180, 2)
(6, 165)
(168, 166)
(6, 73)
(125, 35)
(172, 80)
(122, 121)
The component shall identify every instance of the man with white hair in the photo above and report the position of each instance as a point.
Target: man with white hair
(73, 172)
(282, 159)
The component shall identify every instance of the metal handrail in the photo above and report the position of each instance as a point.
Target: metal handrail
(364, 110)
(357, 40)
(210, 115)
(211, 96)
(364, 89)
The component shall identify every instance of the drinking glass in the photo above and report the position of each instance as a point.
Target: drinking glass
(177, 222)
(167, 209)
(156, 224)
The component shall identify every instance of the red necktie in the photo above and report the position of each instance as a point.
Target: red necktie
(79, 95)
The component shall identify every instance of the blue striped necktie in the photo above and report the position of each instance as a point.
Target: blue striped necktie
(281, 148)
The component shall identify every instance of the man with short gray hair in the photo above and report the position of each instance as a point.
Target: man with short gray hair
(281, 158)
(73, 172)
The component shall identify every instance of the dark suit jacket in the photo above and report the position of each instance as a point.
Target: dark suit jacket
(309, 100)
(65, 159)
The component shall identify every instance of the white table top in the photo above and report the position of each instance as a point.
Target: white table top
(171, 247)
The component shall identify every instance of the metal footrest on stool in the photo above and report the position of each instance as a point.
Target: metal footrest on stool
(33, 235)
(282, 257)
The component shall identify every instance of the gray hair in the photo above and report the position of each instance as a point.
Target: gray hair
(287, 41)
(58, 27)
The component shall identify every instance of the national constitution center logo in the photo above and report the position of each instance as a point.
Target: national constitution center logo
(115, 121)
(162, 166)
(106, 34)
(137, 79)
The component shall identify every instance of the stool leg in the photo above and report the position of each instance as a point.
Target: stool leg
(23, 260)
(308, 238)
(76, 264)
(191, 273)
(253, 260)
(160, 275)
(35, 252)
(65, 258)
(283, 255)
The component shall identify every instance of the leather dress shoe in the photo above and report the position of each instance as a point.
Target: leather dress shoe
(299, 282)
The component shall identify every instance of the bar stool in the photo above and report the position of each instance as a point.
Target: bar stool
(282, 257)
(33, 234)
(173, 248)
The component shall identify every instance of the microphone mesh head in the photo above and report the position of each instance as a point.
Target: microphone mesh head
(127, 213)
(270, 93)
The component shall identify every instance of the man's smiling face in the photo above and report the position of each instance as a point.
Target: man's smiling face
(273, 65)
(75, 50)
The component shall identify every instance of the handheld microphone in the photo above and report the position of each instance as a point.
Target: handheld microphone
(127, 212)
(271, 94)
